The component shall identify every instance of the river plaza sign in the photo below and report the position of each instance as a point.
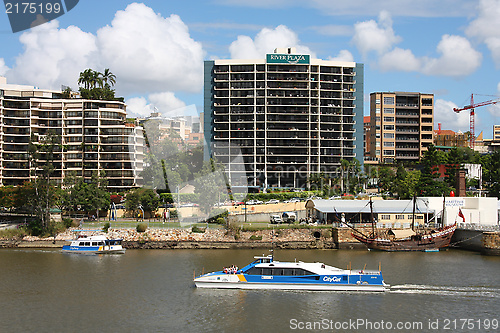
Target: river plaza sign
(287, 58)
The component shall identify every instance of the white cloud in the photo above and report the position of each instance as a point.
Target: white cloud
(165, 103)
(147, 53)
(53, 56)
(138, 107)
(244, 47)
(150, 53)
(399, 60)
(444, 114)
(486, 27)
(458, 58)
(375, 36)
(3, 67)
(344, 55)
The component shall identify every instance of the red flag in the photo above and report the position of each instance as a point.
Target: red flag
(461, 214)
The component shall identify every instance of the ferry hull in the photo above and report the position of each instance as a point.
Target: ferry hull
(96, 250)
(287, 286)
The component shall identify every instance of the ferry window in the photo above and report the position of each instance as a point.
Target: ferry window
(254, 271)
(288, 271)
(267, 271)
(94, 243)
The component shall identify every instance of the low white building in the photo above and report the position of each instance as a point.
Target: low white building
(475, 210)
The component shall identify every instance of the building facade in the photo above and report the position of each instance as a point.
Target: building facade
(401, 125)
(275, 121)
(94, 135)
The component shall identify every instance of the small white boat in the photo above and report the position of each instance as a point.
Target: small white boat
(94, 245)
(266, 273)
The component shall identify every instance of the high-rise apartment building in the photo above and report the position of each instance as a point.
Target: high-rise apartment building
(94, 134)
(401, 125)
(288, 116)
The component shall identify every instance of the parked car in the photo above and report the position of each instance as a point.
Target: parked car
(289, 217)
(276, 219)
(273, 201)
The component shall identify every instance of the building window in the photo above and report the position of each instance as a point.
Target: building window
(400, 217)
(388, 110)
(377, 101)
(385, 217)
(389, 127)
(377, 110)
(377, 119)
(388, 152)
(389, 100)
(389, 119)
(388, 135)
(388, 144)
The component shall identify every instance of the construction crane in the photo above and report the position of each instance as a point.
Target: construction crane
(471, 107)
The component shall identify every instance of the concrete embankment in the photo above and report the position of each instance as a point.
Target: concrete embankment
(187, 239)
(491, 243)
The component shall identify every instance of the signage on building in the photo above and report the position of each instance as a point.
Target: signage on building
(454, 202)
(274, 58)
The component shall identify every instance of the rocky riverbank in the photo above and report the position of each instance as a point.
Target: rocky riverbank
(189, 239)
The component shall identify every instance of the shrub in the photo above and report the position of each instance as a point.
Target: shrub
(255, 237)
(141, 227)
(198, 230)
(221, 221)
(106, 227)
(68, 222)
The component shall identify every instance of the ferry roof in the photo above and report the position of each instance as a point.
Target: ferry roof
(363, 206)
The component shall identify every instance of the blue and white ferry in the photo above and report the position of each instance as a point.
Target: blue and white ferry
(94, 245)
(266, 273)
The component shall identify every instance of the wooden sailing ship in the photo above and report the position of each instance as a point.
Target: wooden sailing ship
(406, 239)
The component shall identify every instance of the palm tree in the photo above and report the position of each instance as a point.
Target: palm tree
(85, 78)
(95, 79)
(107, 76)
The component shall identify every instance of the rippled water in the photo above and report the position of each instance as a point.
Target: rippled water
(152, 291)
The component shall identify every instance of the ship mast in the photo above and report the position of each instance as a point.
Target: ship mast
(371, 218)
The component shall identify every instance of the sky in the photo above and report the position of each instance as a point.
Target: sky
(156, 49)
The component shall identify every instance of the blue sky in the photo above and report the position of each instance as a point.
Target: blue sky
(156, 48)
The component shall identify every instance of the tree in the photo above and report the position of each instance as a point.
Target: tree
(41, 153)
(108, 77)
(491, 173)
(429, 184)
(147, 198)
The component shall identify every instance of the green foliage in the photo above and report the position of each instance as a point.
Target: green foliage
(106, 227)
(174, 213)
(255, 237)
(68, 222)
(141, 227)
(199, 230)
(97, 86)
(218, 216)
(491, 173)
(144, 197)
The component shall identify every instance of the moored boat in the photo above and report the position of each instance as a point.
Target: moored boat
(266, 273)
(94, 245)
(406, 239)
(409, 241)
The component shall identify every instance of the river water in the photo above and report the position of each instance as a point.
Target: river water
(152, 291)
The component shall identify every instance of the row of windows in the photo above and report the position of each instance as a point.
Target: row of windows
(279, 271)
(401, 217)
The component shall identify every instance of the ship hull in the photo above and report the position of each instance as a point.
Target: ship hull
(426, 242)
